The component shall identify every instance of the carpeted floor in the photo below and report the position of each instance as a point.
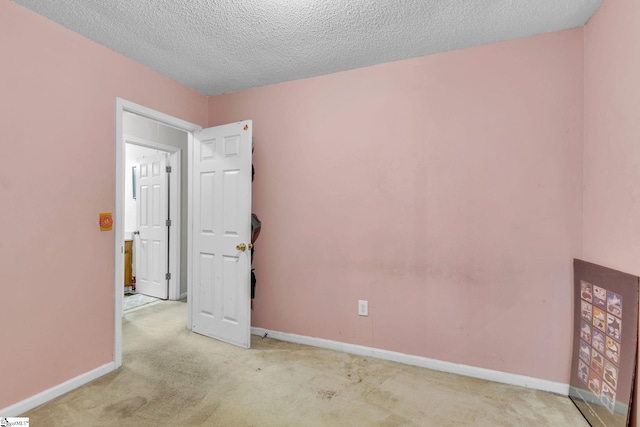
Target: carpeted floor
(172, 377)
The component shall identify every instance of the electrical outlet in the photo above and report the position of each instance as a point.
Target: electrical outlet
(363, 308)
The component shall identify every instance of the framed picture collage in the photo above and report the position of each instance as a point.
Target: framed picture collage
(605, 343)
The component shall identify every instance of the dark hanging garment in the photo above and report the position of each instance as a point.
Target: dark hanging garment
(255, 231)
(253, 284)
(255, 227)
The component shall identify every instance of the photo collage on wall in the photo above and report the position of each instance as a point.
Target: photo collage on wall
(600, 342)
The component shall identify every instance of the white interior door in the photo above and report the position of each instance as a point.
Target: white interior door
(221, 255)
(152, 212)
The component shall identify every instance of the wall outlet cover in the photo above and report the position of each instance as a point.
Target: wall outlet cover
(363, 308)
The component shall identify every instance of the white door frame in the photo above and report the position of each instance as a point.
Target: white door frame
(128, 106)
(174, 209)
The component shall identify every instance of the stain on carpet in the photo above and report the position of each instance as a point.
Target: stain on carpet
(326, 394)
(125, 408)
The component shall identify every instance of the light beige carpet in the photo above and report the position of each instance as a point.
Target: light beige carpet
(172, 377)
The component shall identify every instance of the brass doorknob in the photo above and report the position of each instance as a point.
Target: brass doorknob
(241, 247)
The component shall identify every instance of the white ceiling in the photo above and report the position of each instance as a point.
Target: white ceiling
(218, 46)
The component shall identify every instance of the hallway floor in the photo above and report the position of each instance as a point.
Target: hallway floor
(132, 301)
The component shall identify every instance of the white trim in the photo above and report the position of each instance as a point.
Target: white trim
(183, 295)
(118, 234)
(189, 229)
(423, 362)
(157, 116)
(56, 391)
(176, 230)
(121, 106)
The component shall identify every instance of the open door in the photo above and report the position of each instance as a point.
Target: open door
(152, 213)
(221, 251)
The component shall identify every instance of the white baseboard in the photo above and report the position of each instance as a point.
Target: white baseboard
(56, 391)
(423, 362)
(183, 295)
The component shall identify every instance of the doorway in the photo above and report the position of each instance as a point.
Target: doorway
(148, 271)
(217, 169)
(150, 128)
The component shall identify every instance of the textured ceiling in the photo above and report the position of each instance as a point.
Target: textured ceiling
(218, 46)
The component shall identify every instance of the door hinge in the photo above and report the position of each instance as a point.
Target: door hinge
(167, 276)
(168, 223)
(168, 169)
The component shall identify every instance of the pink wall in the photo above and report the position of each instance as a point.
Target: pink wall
(612, 139)
(57, 117)
(612, 136)
(445, 190)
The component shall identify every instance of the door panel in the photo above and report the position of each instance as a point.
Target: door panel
(221, 222)
(152, 211)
